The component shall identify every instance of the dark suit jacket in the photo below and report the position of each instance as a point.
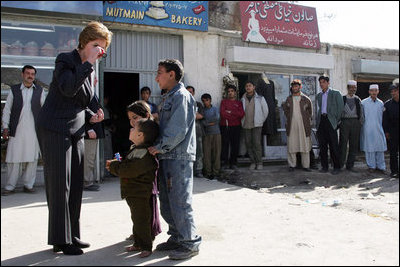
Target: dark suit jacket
(69, 95)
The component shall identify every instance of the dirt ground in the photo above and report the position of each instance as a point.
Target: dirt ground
(371, 193)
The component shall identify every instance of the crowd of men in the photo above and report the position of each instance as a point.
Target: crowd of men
(345, 125)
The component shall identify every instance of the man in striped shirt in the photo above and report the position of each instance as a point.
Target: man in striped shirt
(352, 120)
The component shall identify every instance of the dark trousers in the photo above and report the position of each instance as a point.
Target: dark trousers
(141, 213)
(63, 176)
(394, 152)
(328, 136)
(349, 133)
(230, 138)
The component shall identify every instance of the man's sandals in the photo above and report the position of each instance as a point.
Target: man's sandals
(143, 254)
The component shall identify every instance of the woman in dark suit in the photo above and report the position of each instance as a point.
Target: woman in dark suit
(61, 127)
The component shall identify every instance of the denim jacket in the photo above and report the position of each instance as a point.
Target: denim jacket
(177, 138)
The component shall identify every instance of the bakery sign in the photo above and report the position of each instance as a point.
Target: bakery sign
(189, 15)
(279, 23)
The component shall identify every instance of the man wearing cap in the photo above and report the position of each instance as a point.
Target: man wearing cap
(350, 127)
(330, 107)
(373, 141)
(298, 112)
(391, 128)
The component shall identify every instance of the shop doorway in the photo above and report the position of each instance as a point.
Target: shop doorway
(121, 89)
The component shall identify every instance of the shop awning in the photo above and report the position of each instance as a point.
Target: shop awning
(278, 58)
(375, 67)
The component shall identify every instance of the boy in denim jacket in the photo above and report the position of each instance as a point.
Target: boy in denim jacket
(176, 150)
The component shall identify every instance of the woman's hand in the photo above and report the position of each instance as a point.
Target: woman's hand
(95, 53)
(98, 117)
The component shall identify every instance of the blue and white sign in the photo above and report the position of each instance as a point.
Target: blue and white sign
(189, 15)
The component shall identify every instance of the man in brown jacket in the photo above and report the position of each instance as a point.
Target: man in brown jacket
(298, 112)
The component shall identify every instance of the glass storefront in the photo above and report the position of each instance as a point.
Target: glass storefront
(36, 44)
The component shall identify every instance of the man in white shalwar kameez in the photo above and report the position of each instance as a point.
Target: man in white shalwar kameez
(298, 112)
(373, 140)
(23, 103)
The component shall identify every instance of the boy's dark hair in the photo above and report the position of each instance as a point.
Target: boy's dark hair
(250, 82)
(145, 88)
(206, 96)
(326, 78)
(173, 65)
(150, 130)
(140, 108)
(28, 67)
(190, 87)
(230, 86)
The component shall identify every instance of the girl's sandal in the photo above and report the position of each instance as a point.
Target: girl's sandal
(132, 248)
(145, 253)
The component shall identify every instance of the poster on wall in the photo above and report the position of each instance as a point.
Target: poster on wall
(279, 23)
(189, 15)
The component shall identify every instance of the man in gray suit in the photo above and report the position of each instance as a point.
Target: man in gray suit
(330, 107)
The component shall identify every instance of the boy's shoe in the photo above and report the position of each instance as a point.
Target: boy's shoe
(29, 190)
(7, 192)
(335, 171)
(259, 166)
(167, 246)
(252, 166)
(183, 253)
(93, 187)
(381, 171)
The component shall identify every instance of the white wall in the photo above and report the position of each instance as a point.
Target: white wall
(202, 64)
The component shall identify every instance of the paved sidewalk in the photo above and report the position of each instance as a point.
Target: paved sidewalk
(239, 226)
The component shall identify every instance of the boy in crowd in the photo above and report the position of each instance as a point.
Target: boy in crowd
(212, 139)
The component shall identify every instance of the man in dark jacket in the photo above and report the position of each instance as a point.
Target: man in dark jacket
(391, 128)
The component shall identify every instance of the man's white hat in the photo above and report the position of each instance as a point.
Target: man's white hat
(373, 86)
(352, 82)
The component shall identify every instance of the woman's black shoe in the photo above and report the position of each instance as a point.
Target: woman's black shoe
(80, 244)
(68, 249)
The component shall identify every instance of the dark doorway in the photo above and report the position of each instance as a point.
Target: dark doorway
(121, 89)
(384, 93)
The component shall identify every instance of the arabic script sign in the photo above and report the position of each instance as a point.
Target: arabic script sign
(190, 15)
(279, 23)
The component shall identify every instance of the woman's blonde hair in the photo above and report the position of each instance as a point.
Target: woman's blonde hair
(93, 31)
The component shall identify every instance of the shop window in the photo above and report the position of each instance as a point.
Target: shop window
(33, 44)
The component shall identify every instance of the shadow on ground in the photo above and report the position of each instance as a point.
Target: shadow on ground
(279, 180)
(113, 255)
